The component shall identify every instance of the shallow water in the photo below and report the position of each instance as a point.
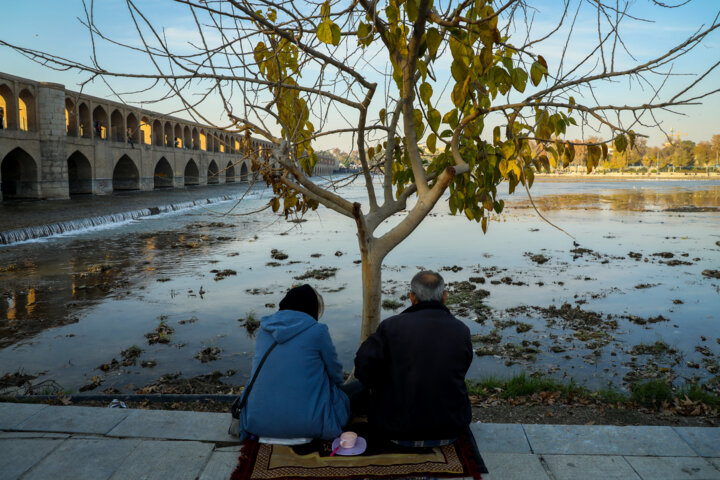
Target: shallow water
(76, 302)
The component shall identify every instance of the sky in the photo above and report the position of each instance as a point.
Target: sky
(54, 26)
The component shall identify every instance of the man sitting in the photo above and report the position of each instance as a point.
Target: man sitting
(415, 366)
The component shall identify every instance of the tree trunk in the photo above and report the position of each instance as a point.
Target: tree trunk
(371, 292)
(372, 258)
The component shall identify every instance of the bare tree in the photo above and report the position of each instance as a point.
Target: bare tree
(293, 72)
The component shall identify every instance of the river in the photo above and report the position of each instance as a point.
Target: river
(606, 309)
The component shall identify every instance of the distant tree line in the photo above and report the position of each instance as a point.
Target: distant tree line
(678, 154)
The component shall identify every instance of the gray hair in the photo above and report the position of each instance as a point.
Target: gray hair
(428, 286)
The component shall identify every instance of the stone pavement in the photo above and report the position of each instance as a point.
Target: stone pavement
(57, 442)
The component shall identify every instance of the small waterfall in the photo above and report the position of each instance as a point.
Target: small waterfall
(40, 231)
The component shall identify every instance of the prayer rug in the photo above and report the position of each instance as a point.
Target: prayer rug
(313, 461)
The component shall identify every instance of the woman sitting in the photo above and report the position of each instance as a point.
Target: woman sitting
(297, 391)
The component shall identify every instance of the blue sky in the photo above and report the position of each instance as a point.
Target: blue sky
(52, 25)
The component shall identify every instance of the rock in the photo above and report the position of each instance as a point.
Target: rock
(711, 273)
(675, 263)
(338, 253)
(663, 255)
(704, 351)
(678, 302)
(208, 354)
(389, 304)
(635, 255)
(278, 255)
(221, 274)
(539, 258)
(523, 327)
(318, 274)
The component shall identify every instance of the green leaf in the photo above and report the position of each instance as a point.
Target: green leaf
(426, 92)
(604, 150)
(536, 73)
(459, 51)
(422, 68)
(335, 34)
(519, 79)
(451, 118)
(365, 36)
(259, 52)
(620, 143)
(324, 32)
(411, 8)
(392, 14)
(431, 141)
(496, 136)
(434, 119)
(325, 9)
(459, 71)
(508, 149)
(432, 37)
(382, 116)
(272, 14)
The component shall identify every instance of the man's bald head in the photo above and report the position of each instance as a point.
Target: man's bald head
(428, 286)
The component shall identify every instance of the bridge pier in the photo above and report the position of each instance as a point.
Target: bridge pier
(53, 142)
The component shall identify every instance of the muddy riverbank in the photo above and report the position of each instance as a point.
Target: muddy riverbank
(170, 298)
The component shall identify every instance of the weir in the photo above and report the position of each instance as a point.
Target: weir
(59, 228)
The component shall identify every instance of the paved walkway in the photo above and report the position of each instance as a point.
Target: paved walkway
(55, 442)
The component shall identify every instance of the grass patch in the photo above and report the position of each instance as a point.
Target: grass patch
(696, 393)
(651, 393)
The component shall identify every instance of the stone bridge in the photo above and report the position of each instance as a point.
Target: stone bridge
(55, 143)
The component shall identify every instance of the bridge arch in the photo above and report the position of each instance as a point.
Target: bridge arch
(163, 176)
(100, 123)
(71, 120)
(168, 135)
(26, 111)
(145, 131)
(19, 175)
(85, 124)
(7, 104)
(212, 173)
(187, 137)
(117, 126)
(79, 174)
(195, 139)
(133, 128)
(157, 131)
(230, 173)
(244, 172)
(177, 136)
(125, 175)
(191, 175)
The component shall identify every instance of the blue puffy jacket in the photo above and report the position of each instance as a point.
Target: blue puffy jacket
(296, 393)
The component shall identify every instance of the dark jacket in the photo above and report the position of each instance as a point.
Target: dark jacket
(415, 366)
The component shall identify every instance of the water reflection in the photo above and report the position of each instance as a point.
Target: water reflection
(634, 200)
